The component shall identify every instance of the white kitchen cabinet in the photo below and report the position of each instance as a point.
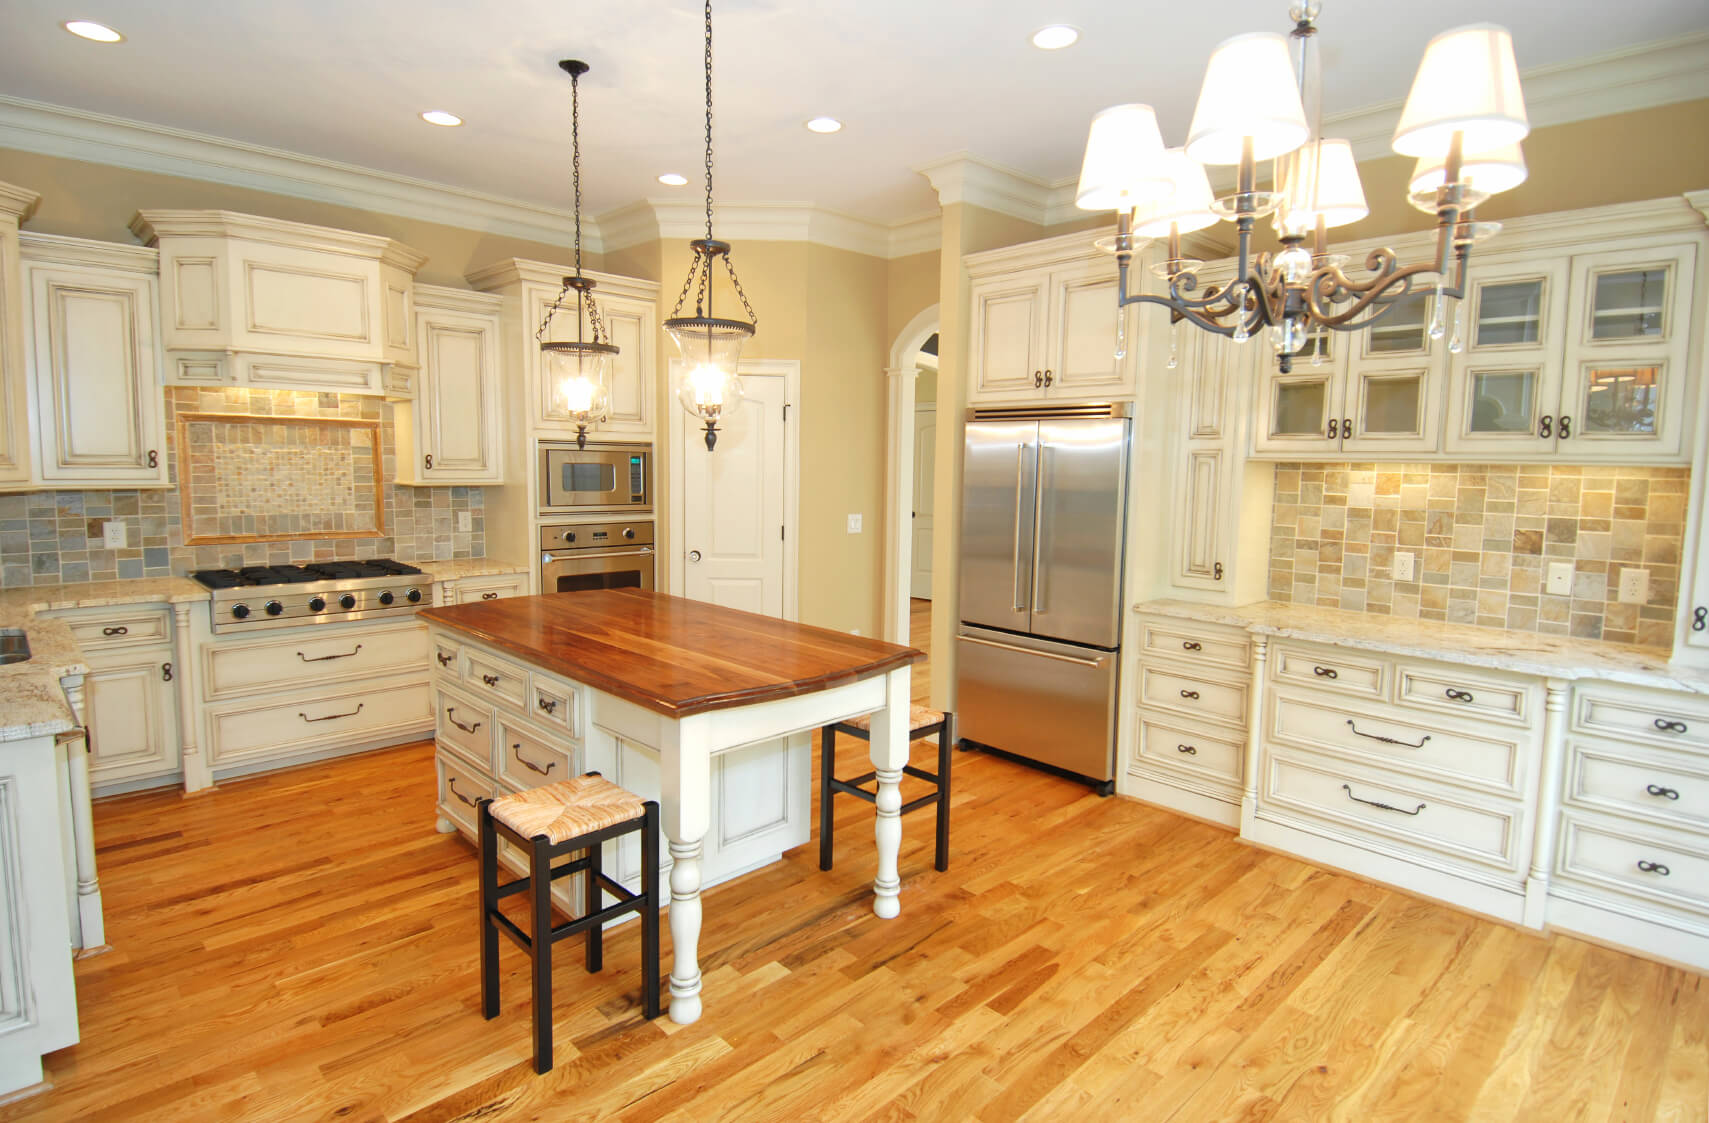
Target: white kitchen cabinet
(491, 586)
(131, 694)
(453, 430)
(1007, 358)
(1504, 387)
(95, 363)
(1205, 516)
(16, 205)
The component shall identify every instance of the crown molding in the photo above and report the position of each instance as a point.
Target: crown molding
(650, 220)
(1699, 201)
(62, 250)
(964, 178)
(518, 271)
(17, 203)
(151, 225)
(921, 235)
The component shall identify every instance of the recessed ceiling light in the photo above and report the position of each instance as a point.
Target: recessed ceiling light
(440, 117)
(672, 179)
(824, 124)
(1055, 37)
(89, 29)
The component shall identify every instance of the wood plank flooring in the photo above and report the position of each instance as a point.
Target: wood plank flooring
(302, 946)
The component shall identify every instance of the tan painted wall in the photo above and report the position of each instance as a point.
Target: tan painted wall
(911, 287)
(97, 201)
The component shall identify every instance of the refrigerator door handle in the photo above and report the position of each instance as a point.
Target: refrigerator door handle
(1038, 526)
(1020, 478)
(1098, 662)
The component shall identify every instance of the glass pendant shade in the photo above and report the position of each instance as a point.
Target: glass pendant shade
(710, 350)
(1186, 208)
(1250, 90)
(1319, 180)
(1123, 162)
(582, 379)
(1486, 174)
(1467, 83)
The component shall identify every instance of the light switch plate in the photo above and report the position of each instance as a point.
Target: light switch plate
(1560, 581)
(1634, 585)
(113, 535)
(854, 524)
(465, 521)
(1404, 561)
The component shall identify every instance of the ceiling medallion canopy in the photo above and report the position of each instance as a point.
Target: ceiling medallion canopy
(710, 346)
(1261, 100)
(581, 367)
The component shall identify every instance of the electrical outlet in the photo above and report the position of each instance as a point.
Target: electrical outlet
(1634, 585)
(854, 524)
(1403, 563)
(113, 535)
(1560, 582)
(465, 521)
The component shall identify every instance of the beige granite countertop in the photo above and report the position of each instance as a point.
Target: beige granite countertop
(1523, 652)
(468, 567)
(32, 702)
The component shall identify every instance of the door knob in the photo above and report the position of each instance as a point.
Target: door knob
(694, 555)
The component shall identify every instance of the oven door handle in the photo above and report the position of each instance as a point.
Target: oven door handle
(576, 555)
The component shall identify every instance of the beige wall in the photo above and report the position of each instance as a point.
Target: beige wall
(911, 285)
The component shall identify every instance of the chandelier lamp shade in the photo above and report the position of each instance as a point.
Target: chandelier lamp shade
(579, 368)
(710, 345)
(1262, 100)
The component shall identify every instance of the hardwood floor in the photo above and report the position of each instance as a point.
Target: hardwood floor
(302, 946)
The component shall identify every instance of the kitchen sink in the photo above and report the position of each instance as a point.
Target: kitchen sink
(14, 646)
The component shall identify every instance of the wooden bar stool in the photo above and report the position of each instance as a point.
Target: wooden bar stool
(922, 723)
(549, 822)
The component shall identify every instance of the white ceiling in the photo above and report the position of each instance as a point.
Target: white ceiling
(913, 80)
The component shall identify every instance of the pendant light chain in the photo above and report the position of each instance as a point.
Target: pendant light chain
(576, 158)
(583, 287)
(708, 120)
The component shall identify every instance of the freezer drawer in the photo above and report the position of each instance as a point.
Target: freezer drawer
(1050, 702)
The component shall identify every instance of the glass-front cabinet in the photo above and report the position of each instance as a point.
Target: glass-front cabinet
(1504, 384)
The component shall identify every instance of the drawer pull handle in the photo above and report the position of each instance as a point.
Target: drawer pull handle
(490, 680)
(1375, 803)
(444, 659)
(121, 630)
(449, 710)
(1191, 645)
(1700, 619)
(1188, 749)
(324, 658)
(1385, 740)
(451, 782)
(489, 596)
(332, 717)
(1325, 672)
(1653, 867)
(1190, 694)
(1668, 726)
(1459, 695)
(550, 705)
(1664, 793)
(516, 751)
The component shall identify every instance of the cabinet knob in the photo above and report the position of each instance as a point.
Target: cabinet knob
(1048, 378)
(1038, 378)
(1334, 428)
(1564, 427)
(427, 461)
(1545, 426)
(1346, 428)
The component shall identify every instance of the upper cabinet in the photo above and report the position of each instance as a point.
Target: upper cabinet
(452, 431)
(1044, 325)
(93, 353)
(16, 205)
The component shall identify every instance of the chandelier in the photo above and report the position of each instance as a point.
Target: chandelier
(1261, 100)
(581, 368)
(710, 346)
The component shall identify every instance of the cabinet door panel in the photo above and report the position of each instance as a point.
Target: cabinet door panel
(1081, 356)
(131, 718)
(1008, 337)
(1296, 409)
(1504, 388)
(459, 398)
(1392, 409)
(1199, 528)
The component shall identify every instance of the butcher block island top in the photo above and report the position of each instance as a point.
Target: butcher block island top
(672, 655)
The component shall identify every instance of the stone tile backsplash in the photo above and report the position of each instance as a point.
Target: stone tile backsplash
(1482, 538)
(50, 537)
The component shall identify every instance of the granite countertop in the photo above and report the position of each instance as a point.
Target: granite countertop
(468, 567)
(32, 702)
(1523, 652)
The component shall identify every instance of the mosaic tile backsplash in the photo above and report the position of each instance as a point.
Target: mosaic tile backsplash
(1482, 537)
(49, 537)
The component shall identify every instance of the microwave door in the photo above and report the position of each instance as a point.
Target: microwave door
(1076, 575)
(997, 516)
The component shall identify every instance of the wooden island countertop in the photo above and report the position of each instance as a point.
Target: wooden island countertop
(669, 654)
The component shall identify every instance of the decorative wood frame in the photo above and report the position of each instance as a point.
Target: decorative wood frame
(186, 507)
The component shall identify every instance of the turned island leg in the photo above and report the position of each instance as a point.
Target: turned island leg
(685, 766)
(889, 747)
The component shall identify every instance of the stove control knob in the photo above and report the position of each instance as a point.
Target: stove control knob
(316, 604)
(413, 596)
(274, 608)
(347, 601)
(629, 532)
(386, 597)
(240, 610)
(569, 536)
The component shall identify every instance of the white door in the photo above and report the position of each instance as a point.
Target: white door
(732, 547)
(925, 475)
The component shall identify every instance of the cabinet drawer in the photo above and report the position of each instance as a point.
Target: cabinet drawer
(500, 679)
(527, 759)
(1649, 785)
(1450, 692)
(1186, 646)
(1330, 670)
(554, 703)
(489, 588)
(463, 724)
(1637, 715)
(1415, 815)
(460, 789)
(1199, 697)
(1674, 871)
(1177, 749)
(240, 733)
(122, 627)
(448, 658)
(1420, 750)
(330, 654)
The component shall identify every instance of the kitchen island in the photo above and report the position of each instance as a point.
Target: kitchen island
(671, 686)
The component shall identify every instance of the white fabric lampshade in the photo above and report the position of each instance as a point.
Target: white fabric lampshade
(1187, 208)
(1467, 83)
(1493, 172)
(1320, 179)
(1250, 90)
(1123, 163)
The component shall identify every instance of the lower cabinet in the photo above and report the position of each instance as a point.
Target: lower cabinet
(131, 694)
(491, 586)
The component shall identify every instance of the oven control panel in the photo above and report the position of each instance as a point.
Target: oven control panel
(558, 537)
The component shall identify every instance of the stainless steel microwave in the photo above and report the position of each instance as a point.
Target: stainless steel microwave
(600, 477)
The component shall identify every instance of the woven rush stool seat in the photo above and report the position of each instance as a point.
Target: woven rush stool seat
(923, 722)
(570, 817)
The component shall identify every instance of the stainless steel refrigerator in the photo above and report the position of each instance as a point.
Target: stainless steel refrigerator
(1043, 507)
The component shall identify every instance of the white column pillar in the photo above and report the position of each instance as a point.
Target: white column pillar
(685, 767)
(198, 771)
(1254, 733)
(889, 748)
(1548, 802)
(899, 499)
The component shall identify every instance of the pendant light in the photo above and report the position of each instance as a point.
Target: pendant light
(579, 368)
(710, 346)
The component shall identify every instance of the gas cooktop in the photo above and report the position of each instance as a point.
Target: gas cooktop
(252, 575)
(259, 596)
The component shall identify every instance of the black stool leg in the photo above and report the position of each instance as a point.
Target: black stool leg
(827, 758)
(489, 904)
(540, 875)
(650, 910)
(946, 738)
(595, 899)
